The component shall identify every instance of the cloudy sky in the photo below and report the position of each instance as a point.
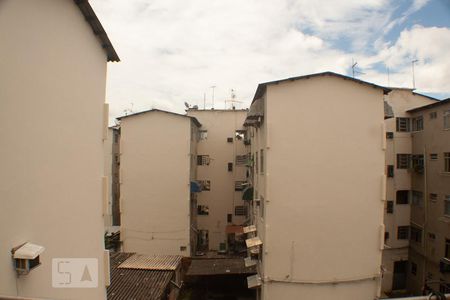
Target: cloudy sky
(174, 51)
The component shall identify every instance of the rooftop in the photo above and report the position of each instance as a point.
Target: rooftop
(196, 122)
(130, 283)
(432, 105)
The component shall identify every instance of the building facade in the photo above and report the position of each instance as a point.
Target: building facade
(52, 91)
(398, 189)
(429, 251)
(157, 183)
(318, 150)
(221, 169)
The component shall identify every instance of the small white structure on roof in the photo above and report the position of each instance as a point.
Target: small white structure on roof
(26, 257)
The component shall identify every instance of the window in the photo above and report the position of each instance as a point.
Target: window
(403, 161)
(389, 135)
(417, 198)
(386, 236)
(241, 160)
(431, 236)
(417, 163)
(205, 184)
(239, 185)
(183, 248)
(390, 207)
(403, 232)
(262, 161)
(433, 115)
(433, 156)
(229, 218)
(447, 119)
(202, 134)
(261, 206)
(256, 162)
(230, 167)
(203, 210)
(433, 197)
(229, 140)
(416, 234)
(447, 205)
(203, 160)
(402, 197)
(390, 171)
(417, 124)
(447, 248)
(413, 268)
(447, 162)
(240, 210)
(403, 124)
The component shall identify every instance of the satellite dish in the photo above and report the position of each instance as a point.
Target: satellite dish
(186, 104)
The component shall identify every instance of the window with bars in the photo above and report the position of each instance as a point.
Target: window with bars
(434, 156)
(447, 205)
(203, 160)
(403, 161)
(403, 232)
(206, 185)
(241, 160)
(417, 124)
(389, 135)
(417, 163)
(229, 140)
(261, 159)
(402, 197)
(433, 197)
(403, 124)
(230, 167)
(416, 234)
(447, 119)
(240, 210)
(447, 162)
(433, 115)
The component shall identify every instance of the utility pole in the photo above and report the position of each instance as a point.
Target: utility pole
(213, 87)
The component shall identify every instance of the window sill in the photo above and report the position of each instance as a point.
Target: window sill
(445, 173)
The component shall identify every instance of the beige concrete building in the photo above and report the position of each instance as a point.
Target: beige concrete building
(318, 144)
(429, 252)
(221, 168)
(157, 172)
(398, 188)
(53, 121)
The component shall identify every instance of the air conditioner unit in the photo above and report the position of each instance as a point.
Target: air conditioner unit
(26, 257)
(444, 265)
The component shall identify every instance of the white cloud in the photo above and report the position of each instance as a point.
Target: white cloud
(173, 51)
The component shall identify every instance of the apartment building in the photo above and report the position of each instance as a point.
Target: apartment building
(221, 169)
(429, 251)
(53, 121)
(398, 188)
(158, 159)
(318, 151)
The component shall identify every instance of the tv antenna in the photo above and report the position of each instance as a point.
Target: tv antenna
(412, 68)
(354, 71)
(213, 88)
(232, 100)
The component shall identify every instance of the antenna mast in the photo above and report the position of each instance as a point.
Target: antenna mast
(413, 77)
(213, 87)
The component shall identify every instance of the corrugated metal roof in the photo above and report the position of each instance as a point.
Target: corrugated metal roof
(136, 284)
(250, 228)
(151, 262)
(254, 281)
(220, 266)
(432, 105)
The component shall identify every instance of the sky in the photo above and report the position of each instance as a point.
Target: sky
(175, 51)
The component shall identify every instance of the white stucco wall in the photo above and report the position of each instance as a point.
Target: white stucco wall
(322, 189)
(155, 172)
(52, 92)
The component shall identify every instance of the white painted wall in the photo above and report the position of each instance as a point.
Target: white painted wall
(155, 174)
(52, 92)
